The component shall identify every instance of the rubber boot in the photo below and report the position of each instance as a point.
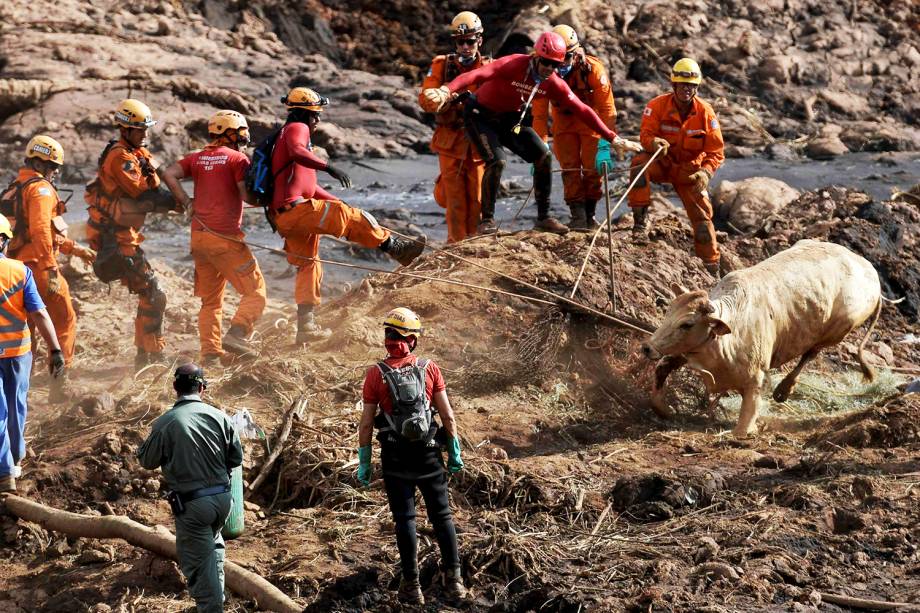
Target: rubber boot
(453, 584)
(590, 210)
(640, 224)
(307, 328)
(57, 390)
(402, 250)
(235, 341)
(410, 591)
(579, 219)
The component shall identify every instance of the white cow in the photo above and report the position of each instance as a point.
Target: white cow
(791, 305)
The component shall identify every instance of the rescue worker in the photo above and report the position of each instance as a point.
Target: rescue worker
(217, 246)
(574, 142)
(302, 211)
(125, 188)
(499, 115)
(687, 130)
(410, 464)
(197, 447)
(22, 309)
(41, 234)
(457, 188)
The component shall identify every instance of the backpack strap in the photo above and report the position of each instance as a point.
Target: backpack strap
(385, 369)
(19, 212)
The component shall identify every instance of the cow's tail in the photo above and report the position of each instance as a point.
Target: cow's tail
(867, 370)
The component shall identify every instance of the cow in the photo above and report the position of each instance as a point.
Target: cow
(791, 305)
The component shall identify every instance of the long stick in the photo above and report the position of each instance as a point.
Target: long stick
(862, 603)
(609, 218)
(295, 410)
(613, 280)
(159, 540)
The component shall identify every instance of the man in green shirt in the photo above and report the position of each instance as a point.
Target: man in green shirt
(196, 446)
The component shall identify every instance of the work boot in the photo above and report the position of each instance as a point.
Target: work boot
(210, 359)
(453, 584)
(487, 226)
(235, 341)
(307, 328)
(579, 219)
(551, 224)
(640, 223)
(713, 269)
(410, 591)
(403, 250)
(8, 484)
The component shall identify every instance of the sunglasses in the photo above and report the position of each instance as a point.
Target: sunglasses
(549, 63)
(466, 42)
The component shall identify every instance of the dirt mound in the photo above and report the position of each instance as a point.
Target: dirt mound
(892, 423)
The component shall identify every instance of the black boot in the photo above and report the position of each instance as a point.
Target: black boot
(235, 341)
(410, 591)
(590, 210)
(577, 212)
(402, 250)
(453, 584)
(640, 223)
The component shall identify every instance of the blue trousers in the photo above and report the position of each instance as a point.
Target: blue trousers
(14, 373)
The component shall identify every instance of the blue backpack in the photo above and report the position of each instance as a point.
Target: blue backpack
(259, 179)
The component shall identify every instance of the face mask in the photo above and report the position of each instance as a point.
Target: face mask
(397, 349)
(563, 71)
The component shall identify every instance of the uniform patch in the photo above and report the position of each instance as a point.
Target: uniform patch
(603, 80)
(44, 191)
(648, 111)
(128, 165)
(429, 72)
(714, 124)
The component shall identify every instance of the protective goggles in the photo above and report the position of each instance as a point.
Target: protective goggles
(686, 74)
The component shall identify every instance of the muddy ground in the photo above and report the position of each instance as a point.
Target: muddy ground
(574, 496)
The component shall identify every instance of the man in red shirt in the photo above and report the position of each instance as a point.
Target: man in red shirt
(301, 210)
(499, 115)
(217, 236)
(410, 463)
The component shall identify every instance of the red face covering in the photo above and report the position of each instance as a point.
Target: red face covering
(399, 347)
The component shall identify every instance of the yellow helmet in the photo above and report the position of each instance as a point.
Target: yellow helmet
(45, 148)
(5, 228)
(221, 121)
(569, 36)
(132, 113)
(305, 98)
(465, 24)
(686, 71)
(404, 321)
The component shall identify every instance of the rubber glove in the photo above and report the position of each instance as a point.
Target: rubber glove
(603, 157)
(339, 176)
(364, 465)
(56, 363)
(701, 178)
(84, 253)
(454, 463)
(54, 282)
(660, 142)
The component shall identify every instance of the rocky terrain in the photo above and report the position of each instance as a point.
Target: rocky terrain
(787, 77)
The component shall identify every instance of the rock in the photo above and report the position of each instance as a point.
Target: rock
(747, 203)
(879, 136)
(98, 405)
(825, 147)
(842, 521)
(112, 444)
(847, 103)
(58, 548)
(707, 549)
(862, 487)
(716, 570)
(151, 486)
(781, 152)
(103, 554)
(766, 461)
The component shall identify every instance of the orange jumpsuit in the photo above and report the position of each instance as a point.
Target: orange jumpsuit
(457, 188)
(125, 172)
(36, 243)
(574, 143)
(695, 143)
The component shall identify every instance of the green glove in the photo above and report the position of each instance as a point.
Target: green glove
(364, 465)
(454, 463)
(603, 157)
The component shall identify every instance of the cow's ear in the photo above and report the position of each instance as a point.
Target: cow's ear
(718, 326)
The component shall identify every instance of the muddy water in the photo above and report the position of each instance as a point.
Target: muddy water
(401, 189)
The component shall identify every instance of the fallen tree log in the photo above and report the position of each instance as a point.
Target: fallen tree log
(295, 410)
(159, 540)
(863, 603)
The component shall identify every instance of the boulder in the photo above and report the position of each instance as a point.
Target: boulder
(826, 144)
(745, 204)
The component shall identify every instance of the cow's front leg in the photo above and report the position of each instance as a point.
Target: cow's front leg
(663, 369)
(750, 404)
(786, 386)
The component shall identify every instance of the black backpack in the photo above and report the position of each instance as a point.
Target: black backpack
(411, 417)
(259, 179)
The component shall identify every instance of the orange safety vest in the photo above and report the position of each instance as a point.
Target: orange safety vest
(15, 338)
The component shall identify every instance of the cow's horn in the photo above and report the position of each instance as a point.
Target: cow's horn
(678, 290)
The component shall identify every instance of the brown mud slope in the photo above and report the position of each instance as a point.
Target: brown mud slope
(574, 496)
(823, 77)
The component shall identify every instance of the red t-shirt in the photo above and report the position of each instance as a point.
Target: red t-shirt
(377, 392)
(218, 202)
(297, 180)
(505, 85)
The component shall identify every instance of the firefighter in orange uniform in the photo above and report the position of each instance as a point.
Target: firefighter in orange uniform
(40, 233)
(687, 131)
(457, 188)
(574, 143)
(125, 189)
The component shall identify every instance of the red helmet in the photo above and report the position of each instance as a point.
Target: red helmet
(550, 46)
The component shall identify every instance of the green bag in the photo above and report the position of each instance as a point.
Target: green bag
(236, 521)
